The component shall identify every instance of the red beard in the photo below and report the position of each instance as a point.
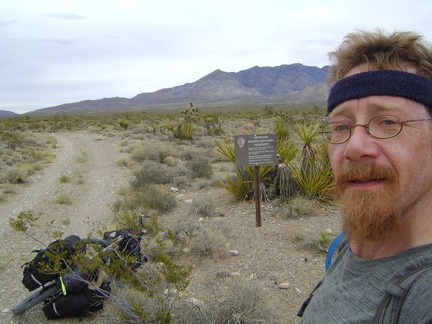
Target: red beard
(369, 215)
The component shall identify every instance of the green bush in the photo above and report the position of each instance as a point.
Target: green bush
(151, 172)
(154, 151)
(200, 167)
(155, 197)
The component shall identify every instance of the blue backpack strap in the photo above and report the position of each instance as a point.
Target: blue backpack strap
(332, 249)
(335, 244)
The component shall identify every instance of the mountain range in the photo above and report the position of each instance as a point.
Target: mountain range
(293, 84)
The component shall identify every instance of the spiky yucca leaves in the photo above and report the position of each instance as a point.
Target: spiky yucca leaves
(226, 150)
(240, 186)
(287, 151)
(307, 133)
(282, 129)
(315, 182)
(185, 131)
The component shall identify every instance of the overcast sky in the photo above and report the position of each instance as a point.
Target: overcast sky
(54, 52)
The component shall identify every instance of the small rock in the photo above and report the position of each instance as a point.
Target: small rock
(171, 292)
(5, 310)
(195, 302)
(284, 285)
(329, 231)
(233, 252)
(235, 274)
(172, 189)
(222, 274)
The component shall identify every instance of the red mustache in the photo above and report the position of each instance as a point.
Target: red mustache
(363, 172)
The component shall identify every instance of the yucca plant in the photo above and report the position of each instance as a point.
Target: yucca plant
(282, 129)
(185, 131)
(240, 186)
(226, 150)
(287, 151)
(316, 185)
(307, 133)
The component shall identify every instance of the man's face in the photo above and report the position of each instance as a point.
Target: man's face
(379, 181)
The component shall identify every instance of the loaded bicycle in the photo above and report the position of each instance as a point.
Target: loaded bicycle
(69, 275)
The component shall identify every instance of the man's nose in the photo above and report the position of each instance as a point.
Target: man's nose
(361, 144)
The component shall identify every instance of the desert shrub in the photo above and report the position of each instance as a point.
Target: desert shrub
(64, 199)
(122, 162)
(206, 241)
(64, 178)
(129, 202)
(301, 207)
(206, 142)
(200, 167)
(123, 123)
(323, 241)
(8, 188)
(202, 208)
(241, 302)
(155, 197)
(151, 172)
(146, 197)
(13, 139)
(170, 161)
(154, 151)
(82, 157)
(15, 175)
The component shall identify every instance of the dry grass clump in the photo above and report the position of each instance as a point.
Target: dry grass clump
(242, 302)
(150, 172)
(154, 151)
(200, 167)
(301, 207)
(22, 153)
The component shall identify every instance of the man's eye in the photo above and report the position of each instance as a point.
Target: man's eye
(388, 122)
(385, 121)
(340, 128)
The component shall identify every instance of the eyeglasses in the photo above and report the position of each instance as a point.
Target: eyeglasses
(382, 127)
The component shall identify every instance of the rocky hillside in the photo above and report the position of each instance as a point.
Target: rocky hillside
(290, 84)
(7, 113)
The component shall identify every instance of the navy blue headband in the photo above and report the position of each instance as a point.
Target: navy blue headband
(381, 83)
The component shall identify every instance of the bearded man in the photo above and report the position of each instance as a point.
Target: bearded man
(380, 147)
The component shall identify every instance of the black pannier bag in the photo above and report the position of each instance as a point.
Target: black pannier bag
(39, 271)
(79, 304)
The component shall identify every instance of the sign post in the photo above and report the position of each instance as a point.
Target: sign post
(255, 150)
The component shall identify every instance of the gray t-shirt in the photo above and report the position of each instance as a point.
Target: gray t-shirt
(353, 288)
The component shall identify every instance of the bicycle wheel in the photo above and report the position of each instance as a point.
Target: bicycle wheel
(36, 298)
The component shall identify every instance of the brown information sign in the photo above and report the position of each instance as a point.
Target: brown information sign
(255, 150)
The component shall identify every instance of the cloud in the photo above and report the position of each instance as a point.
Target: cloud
(8, 22)
(62, 16)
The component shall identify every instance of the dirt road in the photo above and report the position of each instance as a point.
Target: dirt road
(89, 163)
